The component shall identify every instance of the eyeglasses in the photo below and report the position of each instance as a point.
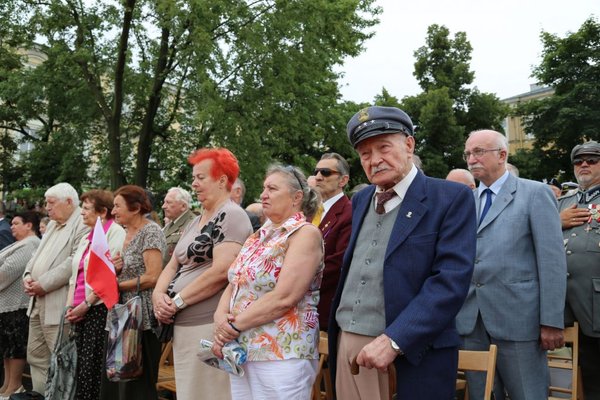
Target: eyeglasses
(588, 160)
(477, 153)
(326, 172)
(293, 171)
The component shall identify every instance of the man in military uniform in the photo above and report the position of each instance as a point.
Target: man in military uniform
(177, 209)
(580, 218)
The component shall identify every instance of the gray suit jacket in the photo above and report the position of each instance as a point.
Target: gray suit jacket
(519, 281)
(173, 232)
(54, 275)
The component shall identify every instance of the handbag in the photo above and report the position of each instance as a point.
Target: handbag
(61, 382)
(164, 332)
(124, 347)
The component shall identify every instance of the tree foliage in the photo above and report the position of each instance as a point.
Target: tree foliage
(448, 109)
(146, 81)
(571, 65)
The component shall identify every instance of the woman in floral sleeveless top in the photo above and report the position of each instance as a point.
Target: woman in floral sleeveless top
(270, 305)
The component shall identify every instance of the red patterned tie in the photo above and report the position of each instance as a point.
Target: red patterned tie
(382, 198)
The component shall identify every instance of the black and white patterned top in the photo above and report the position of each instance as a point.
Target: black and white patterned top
(149, 237)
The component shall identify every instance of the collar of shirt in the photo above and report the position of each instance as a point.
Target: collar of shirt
(585, 196)
(400, 188)
(177, 219)
(494, 187)
(327, 204)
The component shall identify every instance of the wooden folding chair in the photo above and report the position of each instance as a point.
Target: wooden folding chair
(323, 380)
(166, 370)
(481, 361)
(562, 362)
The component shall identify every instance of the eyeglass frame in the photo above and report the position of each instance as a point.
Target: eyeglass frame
(478, 153)
(578, 161)
(325, 172)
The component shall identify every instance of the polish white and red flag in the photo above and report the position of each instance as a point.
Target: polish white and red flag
(101, 276)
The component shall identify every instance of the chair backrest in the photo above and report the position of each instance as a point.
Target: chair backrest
(483, 361)
(322, 388)
(570, 362)
(166, 356)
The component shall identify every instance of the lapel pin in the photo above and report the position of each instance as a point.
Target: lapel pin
(409, 214)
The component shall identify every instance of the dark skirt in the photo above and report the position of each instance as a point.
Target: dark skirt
(90, 338)
(143, 388)
(14, 330)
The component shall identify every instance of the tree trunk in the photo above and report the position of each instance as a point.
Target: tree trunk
(147, 133)
(114, 155)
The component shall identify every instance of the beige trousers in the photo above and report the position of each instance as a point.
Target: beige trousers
(369, 383)
(194, 379)
(40, 344)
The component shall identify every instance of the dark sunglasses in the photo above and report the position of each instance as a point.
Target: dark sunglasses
(325, 172)
(589, 161)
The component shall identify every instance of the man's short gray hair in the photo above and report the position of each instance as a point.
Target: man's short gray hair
(342, 164)
(63, 191)
(182, 195)
(240, 183)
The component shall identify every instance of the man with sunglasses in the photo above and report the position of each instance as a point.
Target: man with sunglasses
(405, 273)
(517, 294)
(335, 222)
(580, 217)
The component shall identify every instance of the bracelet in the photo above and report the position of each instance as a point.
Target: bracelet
(234, 327)
(87, 303)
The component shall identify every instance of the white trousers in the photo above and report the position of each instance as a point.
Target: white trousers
(275, 380)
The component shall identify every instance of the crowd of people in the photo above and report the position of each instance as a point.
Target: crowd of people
(406, 272)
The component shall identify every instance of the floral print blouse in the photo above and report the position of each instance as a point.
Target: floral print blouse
(253, 274)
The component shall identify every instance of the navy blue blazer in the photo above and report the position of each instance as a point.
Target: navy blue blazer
(6, 236)
(427, 270)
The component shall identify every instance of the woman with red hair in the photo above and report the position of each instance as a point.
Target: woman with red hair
(189, 288)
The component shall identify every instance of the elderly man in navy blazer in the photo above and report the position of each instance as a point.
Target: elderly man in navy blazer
(517, 295)
(405, 273)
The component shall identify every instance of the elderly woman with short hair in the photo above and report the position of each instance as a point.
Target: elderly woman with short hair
(14, 324)
(139, 266)
(86, 310)
(189, 288)
(270, 304)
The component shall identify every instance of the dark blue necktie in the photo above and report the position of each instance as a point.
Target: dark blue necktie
(488, 204)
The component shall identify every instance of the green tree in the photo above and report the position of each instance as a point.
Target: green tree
(441, 150)
(571, 65)
(444, 62)
(448, 108)
(151, 80)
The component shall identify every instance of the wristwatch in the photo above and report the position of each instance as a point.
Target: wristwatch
(395, 347)
(179, 303)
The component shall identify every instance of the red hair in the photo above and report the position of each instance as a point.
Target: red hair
(224, 163)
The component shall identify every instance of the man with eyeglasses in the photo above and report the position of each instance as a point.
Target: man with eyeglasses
(405, 273)
(580, 217)
(517, 294)
(334, 220)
